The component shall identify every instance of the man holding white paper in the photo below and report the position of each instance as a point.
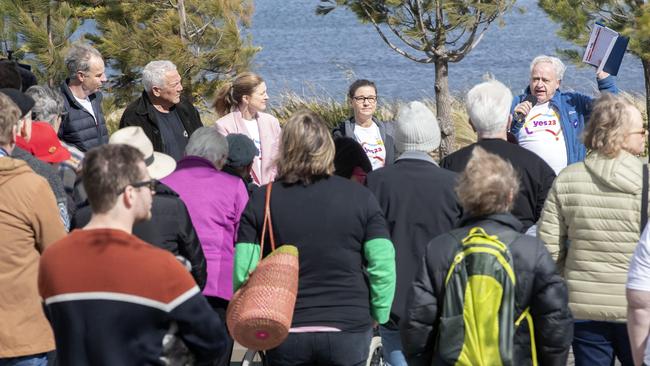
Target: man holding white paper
(549, 122)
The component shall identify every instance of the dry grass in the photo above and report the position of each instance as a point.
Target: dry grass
(333, 112)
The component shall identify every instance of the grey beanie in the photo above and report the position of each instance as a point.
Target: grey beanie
(241, 150)
(416, 129)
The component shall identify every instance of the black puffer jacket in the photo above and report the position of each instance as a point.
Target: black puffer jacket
(538, 286)
(170, 228)
(79, 128)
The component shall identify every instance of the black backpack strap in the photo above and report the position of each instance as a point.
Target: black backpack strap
(644, 198)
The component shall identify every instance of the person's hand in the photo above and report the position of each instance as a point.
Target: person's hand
(601, 75)
(523, 108)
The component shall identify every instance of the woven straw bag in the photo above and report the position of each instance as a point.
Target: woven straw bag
(260, 312)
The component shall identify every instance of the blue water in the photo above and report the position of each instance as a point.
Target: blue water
(321, 55)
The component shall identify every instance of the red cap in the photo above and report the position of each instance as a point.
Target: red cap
(44, 144)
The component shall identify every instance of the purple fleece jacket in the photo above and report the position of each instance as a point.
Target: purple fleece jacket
(215, 201)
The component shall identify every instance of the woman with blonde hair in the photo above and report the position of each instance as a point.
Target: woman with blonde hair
(338, 228)
(591, 225)
(241, 104)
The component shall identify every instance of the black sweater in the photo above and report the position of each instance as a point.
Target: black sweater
(330, 222)
(536, 177)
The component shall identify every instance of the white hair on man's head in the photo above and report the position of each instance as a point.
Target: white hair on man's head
(154, 72)
(558, 65)
(488, 106)
(208, 143)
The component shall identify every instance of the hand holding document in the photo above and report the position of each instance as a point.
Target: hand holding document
(605, 49)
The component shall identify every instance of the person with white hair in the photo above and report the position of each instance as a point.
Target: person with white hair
(84, 125)
(419, 203)
(488, 107)
(166, 116)
(215, 201)
(549, 122)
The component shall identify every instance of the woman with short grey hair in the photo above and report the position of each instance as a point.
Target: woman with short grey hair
(215, 201)
(48, 105)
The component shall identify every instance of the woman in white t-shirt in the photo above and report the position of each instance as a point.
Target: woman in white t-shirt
(373, 135)
(240, 104)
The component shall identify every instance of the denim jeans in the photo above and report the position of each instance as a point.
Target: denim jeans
(31, 360)
(392, 347)
(598, 343)
(322, 348)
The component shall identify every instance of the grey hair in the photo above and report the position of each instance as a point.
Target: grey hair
(558, 65)
(78, 58)
(488, 106)
(154, 72)
(48, 103)
(208, 143)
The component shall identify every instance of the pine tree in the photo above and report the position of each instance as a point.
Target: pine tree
(38, 32)
(628, 17)
(429, 31)
(202, 37)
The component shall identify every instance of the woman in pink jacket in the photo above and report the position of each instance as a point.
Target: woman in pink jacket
(240, 104)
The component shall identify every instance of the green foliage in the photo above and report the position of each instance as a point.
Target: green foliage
(202, 37)
(628, 17)
(38, 31)
(206, 45)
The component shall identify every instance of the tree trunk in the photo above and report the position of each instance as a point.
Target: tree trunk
(646, 75)
(443, 108)
(182, 16)
(50, 42)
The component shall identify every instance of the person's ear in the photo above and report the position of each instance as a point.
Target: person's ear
(155, 91)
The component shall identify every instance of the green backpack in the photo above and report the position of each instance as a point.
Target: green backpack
(477, 325)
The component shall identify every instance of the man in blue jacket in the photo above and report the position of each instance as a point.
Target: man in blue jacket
(549, 122)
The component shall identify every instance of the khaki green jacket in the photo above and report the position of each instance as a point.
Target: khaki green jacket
(590, 224)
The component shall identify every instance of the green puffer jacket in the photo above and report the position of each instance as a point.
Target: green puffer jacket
(590, 224)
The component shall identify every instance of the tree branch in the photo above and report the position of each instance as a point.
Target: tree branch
(390, 44)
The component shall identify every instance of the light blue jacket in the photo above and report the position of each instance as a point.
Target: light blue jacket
(574, 110)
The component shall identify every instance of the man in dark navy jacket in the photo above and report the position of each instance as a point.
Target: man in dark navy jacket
(83, 125)
(419, 203)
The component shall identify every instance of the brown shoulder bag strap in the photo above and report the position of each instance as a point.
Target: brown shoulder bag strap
(267, 221)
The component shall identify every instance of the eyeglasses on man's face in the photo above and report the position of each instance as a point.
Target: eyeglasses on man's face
(151, 184)
(361, 99)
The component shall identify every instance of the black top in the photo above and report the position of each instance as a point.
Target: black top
(419, 202)
(536, 177)
(173, 134)
(329, 221)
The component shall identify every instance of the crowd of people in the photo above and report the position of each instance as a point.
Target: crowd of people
(126, 248)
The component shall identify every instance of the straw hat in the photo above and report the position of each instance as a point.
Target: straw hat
(159, 165)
